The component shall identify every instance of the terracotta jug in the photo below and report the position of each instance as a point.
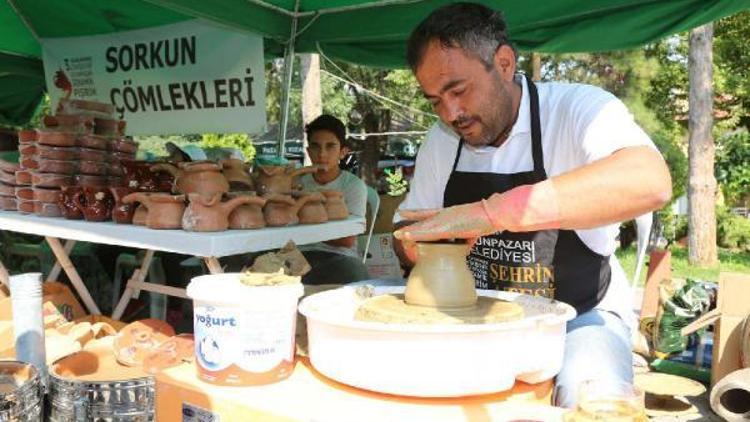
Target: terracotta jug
(441, 277)
(203, 177)
(313, 211)
(95, 203)
(210, 214)
(248, 215)
(335, 205)
(164, 210)
(140, 214)
(235, 172)
(122, 213)
(278, 179)
(281, 210)
(67, 205)
(729, 396)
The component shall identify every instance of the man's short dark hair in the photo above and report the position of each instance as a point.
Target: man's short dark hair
(329, 123)
(474, 28)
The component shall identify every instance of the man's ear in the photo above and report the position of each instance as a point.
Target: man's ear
(344, 151)
(505, 62)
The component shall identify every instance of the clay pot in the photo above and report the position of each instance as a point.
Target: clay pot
(236, 174)
(95, 203)
(50, 180)
(203, 177)
(278, 179)
(27, 136)
(441, 277)
(93, 141)
(210, 214)
(745, 343)
(122, 213)
(335, 205)
(140, 177)
(56, 138)
(66, 203)
(140, 215)
(729, 397)
(9, 167)
(164, 210)
(109, 127)
(282, 210)
(313, 211)
(249, 215)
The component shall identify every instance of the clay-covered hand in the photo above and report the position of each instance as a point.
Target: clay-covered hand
(524, 208)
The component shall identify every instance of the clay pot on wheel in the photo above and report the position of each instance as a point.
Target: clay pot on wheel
(281, 210)
(278, 179)
(441, 277)
(335, 205)
(248, 215)
(313, 211)
(164, 210)
(122, 213)
(67, 206)
(210, 215)
(203, 177)
(236, 174)
(95, 203)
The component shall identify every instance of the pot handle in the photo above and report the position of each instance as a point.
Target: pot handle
(77, 200)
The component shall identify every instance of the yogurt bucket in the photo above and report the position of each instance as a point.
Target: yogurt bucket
(244, 335)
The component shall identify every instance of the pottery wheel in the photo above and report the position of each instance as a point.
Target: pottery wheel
(392, 309)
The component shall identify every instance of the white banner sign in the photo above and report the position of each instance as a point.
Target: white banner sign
(188, 77)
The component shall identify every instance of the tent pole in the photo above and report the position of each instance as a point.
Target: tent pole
(287, 85)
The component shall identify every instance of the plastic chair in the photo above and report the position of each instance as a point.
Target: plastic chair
(129, 262)
(373, 202)
(643, 229)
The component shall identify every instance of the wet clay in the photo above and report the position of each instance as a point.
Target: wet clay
(173, 352)
(391, 309)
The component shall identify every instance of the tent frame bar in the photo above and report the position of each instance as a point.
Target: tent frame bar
(287, 85)
(370, 5)
(25, 21)
(275, 8)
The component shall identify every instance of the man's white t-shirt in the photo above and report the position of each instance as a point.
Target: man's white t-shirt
(579, 124)
(355, 197)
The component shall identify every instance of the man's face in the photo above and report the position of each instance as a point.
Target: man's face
(325, 149)
(474, 101)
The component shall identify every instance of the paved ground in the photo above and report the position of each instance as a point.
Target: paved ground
(700, 402)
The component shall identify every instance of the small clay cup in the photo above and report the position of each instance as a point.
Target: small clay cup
(66, 203)
(122, 213)
(95, 203)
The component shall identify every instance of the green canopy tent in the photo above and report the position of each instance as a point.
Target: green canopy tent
(360, 31)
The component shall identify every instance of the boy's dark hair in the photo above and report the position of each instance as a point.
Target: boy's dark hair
(329, 123)
(474, 28)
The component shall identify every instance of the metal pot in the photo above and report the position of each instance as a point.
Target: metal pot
(74, 400)
(23, 400)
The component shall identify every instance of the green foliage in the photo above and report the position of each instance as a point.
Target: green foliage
(733, 166)
(240, 141)
(396, 183)
(732, 231)
(151, 147)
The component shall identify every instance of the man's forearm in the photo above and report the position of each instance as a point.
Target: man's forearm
(629, 183)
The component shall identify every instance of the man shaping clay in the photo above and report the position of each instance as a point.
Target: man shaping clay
(539, 174)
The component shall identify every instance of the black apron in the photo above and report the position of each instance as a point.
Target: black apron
(551, 263)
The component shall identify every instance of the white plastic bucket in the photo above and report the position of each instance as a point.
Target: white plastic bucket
(244, 335)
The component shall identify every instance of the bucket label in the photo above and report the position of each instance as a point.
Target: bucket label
(192, 413)
(254, 340)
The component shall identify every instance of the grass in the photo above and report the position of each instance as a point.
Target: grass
(728, 261)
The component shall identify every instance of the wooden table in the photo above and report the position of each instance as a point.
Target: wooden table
(208, 246)
(309, 396)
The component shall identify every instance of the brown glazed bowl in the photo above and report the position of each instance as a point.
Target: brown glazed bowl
(87, 180)
(56, 153)
(93, 141)
(23, 177)
(57, 166)
(7, 178)
(50, 180)
(96, 168)
(7, 190)
(67, 207)
(47, 195)
(46, 209)
(8, 203)
(27, 136)
(24, 192)
(124, 146)
(27, 149)
(56, 138)
(90, 154)
(25, 207)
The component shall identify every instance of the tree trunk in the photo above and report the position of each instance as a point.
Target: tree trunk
(374, 121)
(702, 184)
(536, 67)
(312, 105)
